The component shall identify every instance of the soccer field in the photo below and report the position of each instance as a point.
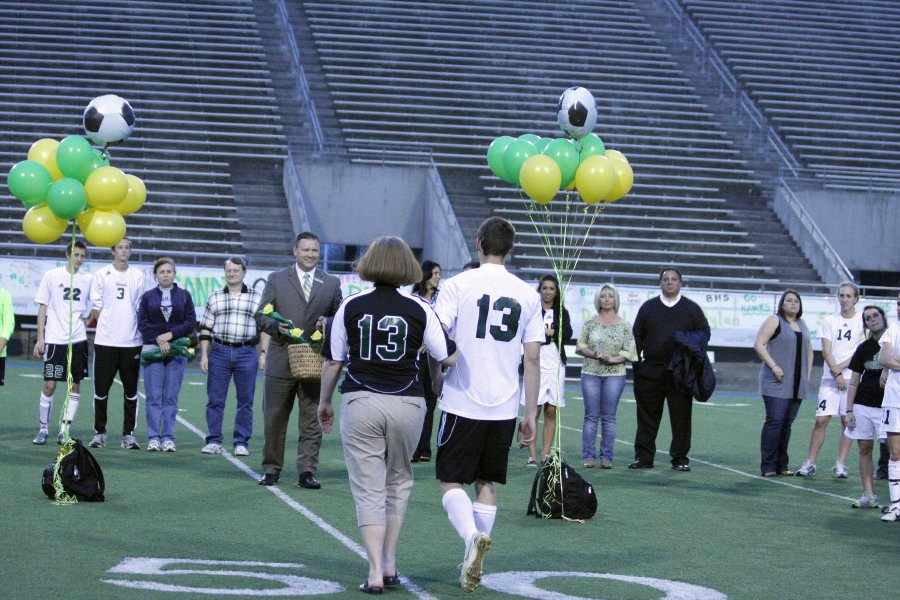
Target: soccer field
(186, 525)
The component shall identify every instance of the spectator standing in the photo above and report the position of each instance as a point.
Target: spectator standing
(306, 295)
(784, 346)
(166, 313)
(116, 297)
(840, 335)
(654, 328)
(427, 288)
(606, 343)
(7, 326)
(378, 334)
(228, 340)
(63, 299)
(492, 316)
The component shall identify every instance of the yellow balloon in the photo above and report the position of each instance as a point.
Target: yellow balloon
(540, 178)
(102, 227)
(624, 181)
(134, 199)
(594, 178)
(106, 187)
(615, 155)
(44, 151)
(41, 226)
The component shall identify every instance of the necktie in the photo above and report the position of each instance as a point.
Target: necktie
(307, 286)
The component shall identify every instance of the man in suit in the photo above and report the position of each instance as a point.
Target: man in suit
(306, 295)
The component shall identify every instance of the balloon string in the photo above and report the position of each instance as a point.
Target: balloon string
(63, 497)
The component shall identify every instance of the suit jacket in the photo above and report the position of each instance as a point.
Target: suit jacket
(284, 292)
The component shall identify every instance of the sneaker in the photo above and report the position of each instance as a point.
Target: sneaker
(41, 438)
(168, 446)
(588, 464)
(470, 576)
(153, 446)
(129, 443)
(892, 514)
(839, 470)
(531, 463)
(98, 441)
(210, 448)
(866, 501)
(807, 470)
(241, 451)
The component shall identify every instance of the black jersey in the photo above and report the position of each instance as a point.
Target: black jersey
(378, 333)
(865, 361)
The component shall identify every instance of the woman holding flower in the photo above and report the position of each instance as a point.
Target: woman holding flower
(378, 333)
(166, 313)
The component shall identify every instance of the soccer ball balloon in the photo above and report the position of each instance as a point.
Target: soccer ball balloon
(108, 120)
(577, 112)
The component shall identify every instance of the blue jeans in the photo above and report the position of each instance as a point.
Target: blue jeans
(162, 383)
(225, 361)
(776, 433)
(601, 399)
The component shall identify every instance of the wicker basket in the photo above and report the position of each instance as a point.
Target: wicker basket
(306, 362)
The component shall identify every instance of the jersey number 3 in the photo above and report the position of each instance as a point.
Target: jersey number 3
(509, 321)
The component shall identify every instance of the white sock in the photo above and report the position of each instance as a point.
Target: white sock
(46, 403)
(74, 399)
(894, 481)
(484, 515)
(459, 510)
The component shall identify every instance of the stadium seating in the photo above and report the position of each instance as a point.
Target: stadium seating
(198, 79)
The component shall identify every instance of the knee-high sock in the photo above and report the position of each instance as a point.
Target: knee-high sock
(74, 399)
(894, 481)
(46, 403)
(459, 510)
(484, 516)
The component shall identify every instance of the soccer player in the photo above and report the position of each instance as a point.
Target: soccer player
(7, 326)
(840, 335)
(890, 414)
(63, 299)
(492, 315)
(116, 295)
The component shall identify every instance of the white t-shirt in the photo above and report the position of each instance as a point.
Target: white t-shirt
(892, 388)
(55, 291)
(490, 314)
(845, 335)
(117, 295)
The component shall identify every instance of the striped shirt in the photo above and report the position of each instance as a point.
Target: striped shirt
(230, 317)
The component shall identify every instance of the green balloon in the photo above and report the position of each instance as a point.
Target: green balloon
(515, 155)
(29, 181)
(67, 198)
(98, 159)
(565, 155)
(531, 138)
(495, 156)
(542, 144)
(592, 145)
(74, 157)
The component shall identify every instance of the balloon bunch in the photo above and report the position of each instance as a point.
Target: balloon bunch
(69, 179)
(544, 166)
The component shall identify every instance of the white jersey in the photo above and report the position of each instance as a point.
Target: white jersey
(490, 314)
(892, 388)
(57, 289)
(117, 295)
(845, 335)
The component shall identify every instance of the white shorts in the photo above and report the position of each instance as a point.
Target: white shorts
(868, 423)
(890, 421)
(552, 388)
(832, 401)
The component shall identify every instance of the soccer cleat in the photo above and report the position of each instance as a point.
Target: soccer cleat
(211, 448)
(129, 443)
(41, 438)
(153, 446)
(807, 470)
(866, 501)
(839, 470)
(241, 451)
(892, 514)
(168, 446)
(98, 441)
(470, 576)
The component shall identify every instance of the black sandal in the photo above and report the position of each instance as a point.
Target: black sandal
(370, 589)
(391, 580)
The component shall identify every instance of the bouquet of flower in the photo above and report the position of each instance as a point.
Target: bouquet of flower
(269, 311)
(293, 334)
(179, 347)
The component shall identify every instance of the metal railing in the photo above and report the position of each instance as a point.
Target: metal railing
(302, 82)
